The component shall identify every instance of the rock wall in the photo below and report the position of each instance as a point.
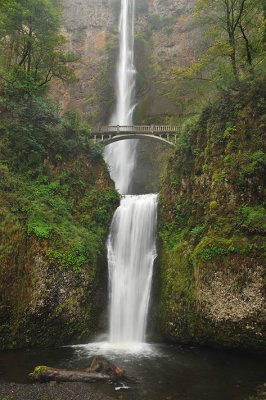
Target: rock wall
(91, 29)
(87, 26)
(213, 225)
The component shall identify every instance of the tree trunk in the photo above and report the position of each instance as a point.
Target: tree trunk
(234, 67)
(248, 50)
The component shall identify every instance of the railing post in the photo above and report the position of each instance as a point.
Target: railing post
(118, 128)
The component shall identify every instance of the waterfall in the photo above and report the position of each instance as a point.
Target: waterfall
(132, 240)
(121, 156)
(131, 253)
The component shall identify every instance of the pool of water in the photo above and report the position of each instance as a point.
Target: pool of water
(164, 372)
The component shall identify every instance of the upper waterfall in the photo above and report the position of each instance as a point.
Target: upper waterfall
(121, 156)
(126, 71)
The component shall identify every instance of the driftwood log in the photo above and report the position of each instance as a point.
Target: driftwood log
(100, 370)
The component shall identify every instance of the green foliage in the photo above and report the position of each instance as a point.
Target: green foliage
(44, 182)
(100, 208)
(255, 164)
(79, 254)
(217, 151)
(187, 131)
(73, 241)
(71, 230)
(30, 42)
(233, 32)
(157, 23)
(96, 149)
(229, 51)
(212, 247)
(253, 219)
(198, 230)
(34, 130)
(40, 229)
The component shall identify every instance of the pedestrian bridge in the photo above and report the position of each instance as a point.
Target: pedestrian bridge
(110, 134)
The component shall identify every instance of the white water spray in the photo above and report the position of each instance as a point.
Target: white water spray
(132, 240)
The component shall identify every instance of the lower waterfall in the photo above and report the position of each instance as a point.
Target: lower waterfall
(131, 253)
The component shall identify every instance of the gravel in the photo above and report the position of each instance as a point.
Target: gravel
(50, 391)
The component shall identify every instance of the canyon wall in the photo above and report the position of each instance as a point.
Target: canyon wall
(165, 37)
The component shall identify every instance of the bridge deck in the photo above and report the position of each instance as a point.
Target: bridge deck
(153, 129)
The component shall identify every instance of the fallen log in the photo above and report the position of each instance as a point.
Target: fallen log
(45, 374)
(100, 370)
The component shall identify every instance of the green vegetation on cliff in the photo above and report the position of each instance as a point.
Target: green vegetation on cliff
(31, 42)
(212, 200)
(56, 205)
(213, 224)
(56, 197)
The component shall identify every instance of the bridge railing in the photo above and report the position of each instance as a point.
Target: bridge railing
(138, 129)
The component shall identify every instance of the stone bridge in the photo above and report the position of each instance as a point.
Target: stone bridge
(110, 134)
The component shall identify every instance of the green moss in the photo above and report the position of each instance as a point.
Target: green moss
(198, 231)
(177, 285)
(212, 247)
(253, 219)
(213, 206)
(37, 371)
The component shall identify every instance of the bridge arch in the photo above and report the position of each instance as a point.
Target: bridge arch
(110, 134)
(117, 138)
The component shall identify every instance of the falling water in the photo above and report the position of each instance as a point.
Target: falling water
(121, 156)
(132, 240)
(131, 253)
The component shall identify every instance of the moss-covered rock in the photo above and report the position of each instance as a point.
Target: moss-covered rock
(212, 212)
(53, 231)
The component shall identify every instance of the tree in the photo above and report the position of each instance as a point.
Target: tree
(30, 40)
(233, 25)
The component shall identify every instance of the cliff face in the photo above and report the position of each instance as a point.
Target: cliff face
(165, 37)
(87, 25)
(213, 225)
(53, 231)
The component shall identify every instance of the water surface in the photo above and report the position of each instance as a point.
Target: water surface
(164, 372)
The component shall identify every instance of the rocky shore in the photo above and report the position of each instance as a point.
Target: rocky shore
(50, 391)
